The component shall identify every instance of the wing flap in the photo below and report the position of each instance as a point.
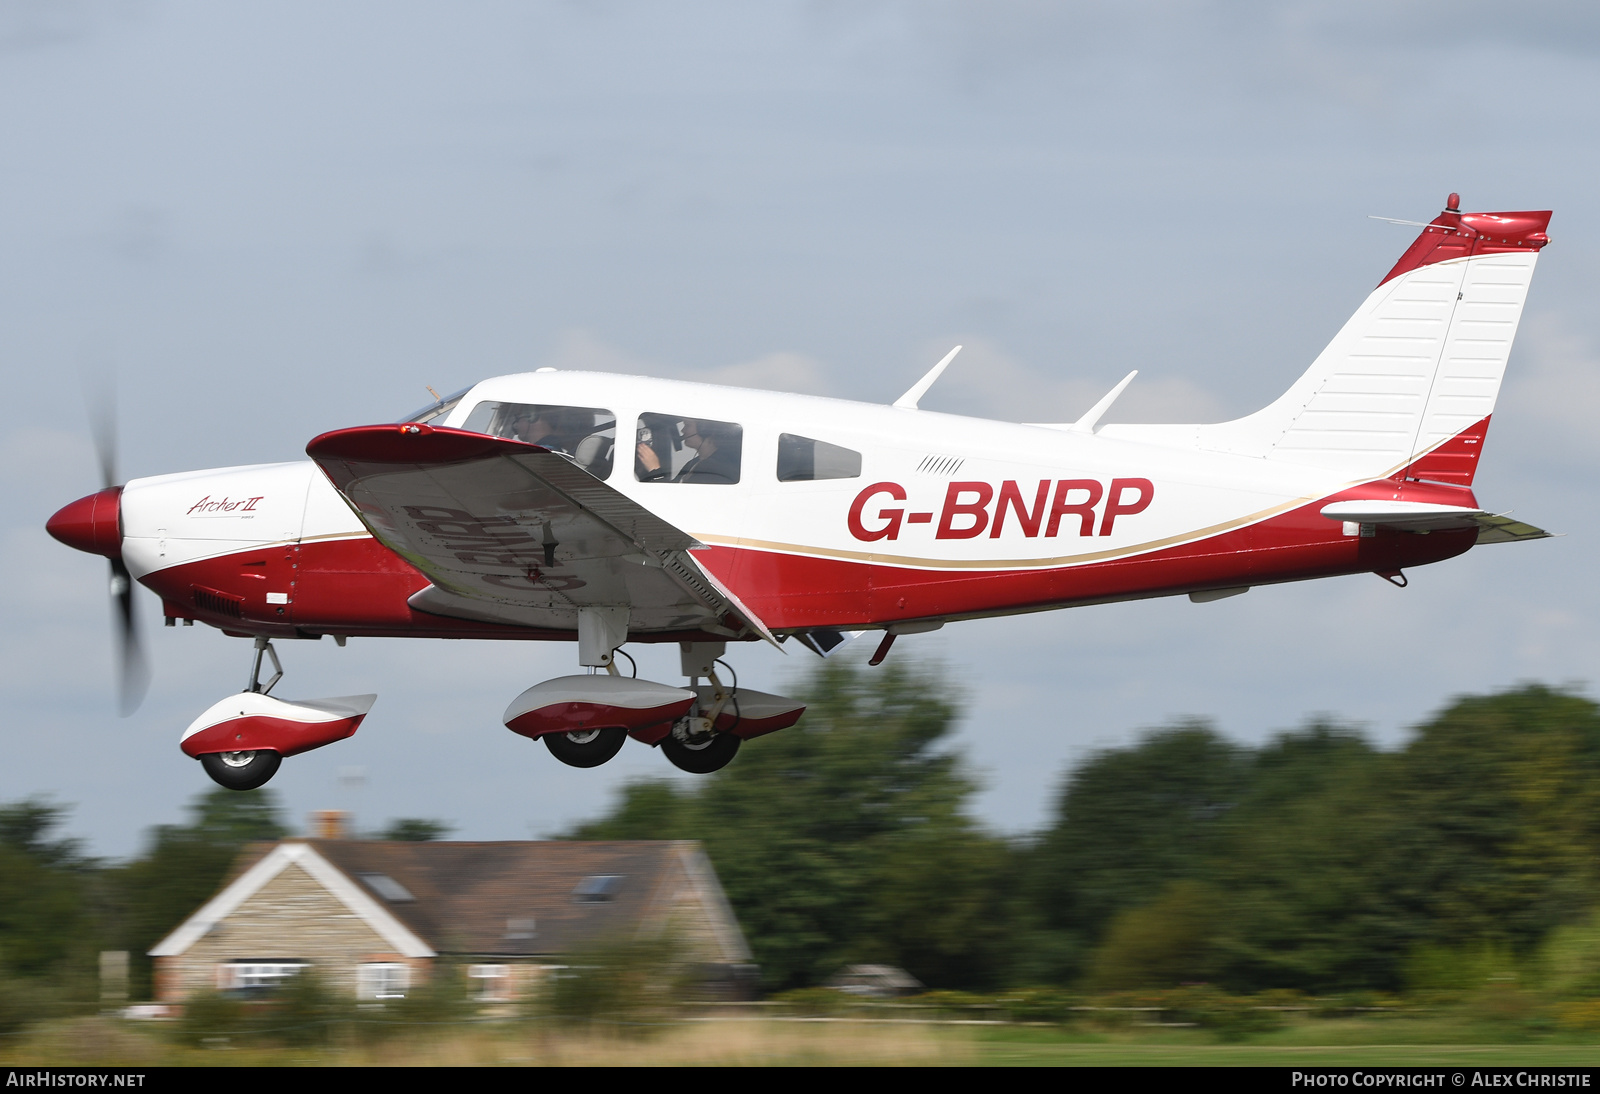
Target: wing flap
(509, 532)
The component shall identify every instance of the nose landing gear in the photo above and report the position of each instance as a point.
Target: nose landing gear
(241, 770)
(241, 741)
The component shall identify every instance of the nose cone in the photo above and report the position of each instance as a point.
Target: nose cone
(92, 524)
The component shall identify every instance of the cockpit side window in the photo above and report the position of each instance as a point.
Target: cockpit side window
(674, 449)
(802, 459)
(586, 435)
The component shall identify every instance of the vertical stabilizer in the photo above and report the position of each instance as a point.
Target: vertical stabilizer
(1409, 383)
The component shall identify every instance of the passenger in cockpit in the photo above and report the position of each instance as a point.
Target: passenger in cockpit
(716, 446)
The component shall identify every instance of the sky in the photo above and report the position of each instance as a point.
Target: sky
(271, 220)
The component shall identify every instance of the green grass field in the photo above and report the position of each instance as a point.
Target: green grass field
(1440, 1041)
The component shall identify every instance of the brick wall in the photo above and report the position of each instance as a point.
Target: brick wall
(292, 918)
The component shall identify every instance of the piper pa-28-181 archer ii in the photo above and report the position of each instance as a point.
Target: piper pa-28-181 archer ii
(561, 505)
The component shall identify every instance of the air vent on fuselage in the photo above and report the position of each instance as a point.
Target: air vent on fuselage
(940, 465)
(218, 603)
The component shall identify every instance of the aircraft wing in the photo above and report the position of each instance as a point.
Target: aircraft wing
(509, 532)
(1424, 517)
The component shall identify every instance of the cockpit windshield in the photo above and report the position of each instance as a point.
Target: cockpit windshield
(437, 409)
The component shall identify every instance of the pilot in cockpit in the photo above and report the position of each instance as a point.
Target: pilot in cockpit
(715, 444)
(554, 427)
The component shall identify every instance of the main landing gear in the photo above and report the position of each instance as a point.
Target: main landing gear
(584, 720)
(241, 741)
(586, 747)
(697, 744)
(700, 756)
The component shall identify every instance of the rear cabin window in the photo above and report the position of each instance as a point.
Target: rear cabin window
(586, 435)
(802, 459)
(674, 449)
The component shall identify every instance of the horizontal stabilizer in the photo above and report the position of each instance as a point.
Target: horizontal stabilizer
(1502, 529)
(1409, 516)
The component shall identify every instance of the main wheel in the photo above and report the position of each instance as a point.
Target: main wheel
(586, 747)
(241, 770)
(702, 757)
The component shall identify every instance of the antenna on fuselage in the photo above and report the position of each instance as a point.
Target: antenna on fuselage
(1087, 423)
(920, 388)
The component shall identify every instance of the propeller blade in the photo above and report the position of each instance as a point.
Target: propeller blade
(100, 400)
(100, 397)
(133, 672)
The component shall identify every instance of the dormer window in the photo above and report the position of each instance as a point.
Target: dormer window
(597, 889)
(387, 887)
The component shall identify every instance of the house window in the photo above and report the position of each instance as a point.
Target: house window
(258, 976)
(492, 983)
(597, 889)
(387, 887)
(383, 980)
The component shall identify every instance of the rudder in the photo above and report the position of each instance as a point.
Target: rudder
(1408, 384)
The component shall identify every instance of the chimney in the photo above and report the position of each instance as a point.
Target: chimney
(330, 824)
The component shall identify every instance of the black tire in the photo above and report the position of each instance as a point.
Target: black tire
(241, 770)
(701, 759)
(586, 748)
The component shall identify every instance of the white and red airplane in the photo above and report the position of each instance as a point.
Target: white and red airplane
(511, 511)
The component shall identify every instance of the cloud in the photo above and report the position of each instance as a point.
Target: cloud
(30, 25)
(986, 381)
(781, 370)
(1551, 394)
(582, 350)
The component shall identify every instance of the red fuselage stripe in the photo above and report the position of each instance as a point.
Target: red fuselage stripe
(358, 587)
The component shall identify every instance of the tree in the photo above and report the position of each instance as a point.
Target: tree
(24, 825)
(845, 839)
(415, 830)
(1308, 868)
(1502, 799)
(1132, 821)
(1172, 940)
(45, 913)
(1334, 866)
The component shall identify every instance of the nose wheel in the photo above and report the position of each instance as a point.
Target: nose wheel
(241, 770)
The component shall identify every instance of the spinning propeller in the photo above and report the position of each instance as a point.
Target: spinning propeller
(94, 524)
(133, 671)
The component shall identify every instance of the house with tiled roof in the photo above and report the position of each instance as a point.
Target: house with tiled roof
(377, 918)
